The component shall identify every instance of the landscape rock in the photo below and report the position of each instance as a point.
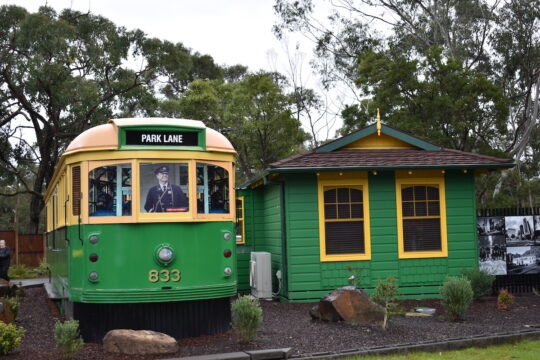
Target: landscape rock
(349, 304)
(139, 342)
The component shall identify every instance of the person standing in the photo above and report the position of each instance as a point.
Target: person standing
(5, 255)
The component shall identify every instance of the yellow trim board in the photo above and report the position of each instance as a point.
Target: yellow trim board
(358, 179)
(241, 218)
(383, 141)
(407, 180)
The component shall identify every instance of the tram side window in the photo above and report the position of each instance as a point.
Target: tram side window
(212, 189)
(109, 190)
(164, 187)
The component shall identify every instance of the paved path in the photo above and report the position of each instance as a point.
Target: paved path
(30, 282)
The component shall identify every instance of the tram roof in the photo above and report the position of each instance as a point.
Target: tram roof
(105, 137)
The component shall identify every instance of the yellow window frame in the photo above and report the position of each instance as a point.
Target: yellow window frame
(241, 219)
(415, 179)
(353, 179)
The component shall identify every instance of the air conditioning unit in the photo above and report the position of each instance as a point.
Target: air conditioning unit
(260, 274)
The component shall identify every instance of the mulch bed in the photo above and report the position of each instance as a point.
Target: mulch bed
(290, 325)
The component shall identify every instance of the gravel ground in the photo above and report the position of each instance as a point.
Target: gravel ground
(290, 325)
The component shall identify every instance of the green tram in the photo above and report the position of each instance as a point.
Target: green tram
(140, 228)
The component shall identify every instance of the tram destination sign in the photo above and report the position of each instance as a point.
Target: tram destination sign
(161, 138)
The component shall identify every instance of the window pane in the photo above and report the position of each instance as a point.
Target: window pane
(345, 237)
(109, 190)
(422, 234)
(344, 211)
(212, 189)
(433, 193)
(420, 208)
(407, 194)
(164, 187)
(434, 208)
(330, 196)
(419, 193)
(356, 195)
(343, 195)
(357, 211)
(330, 212)
(408, 209)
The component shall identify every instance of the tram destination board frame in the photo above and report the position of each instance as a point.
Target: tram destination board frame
(162, 137)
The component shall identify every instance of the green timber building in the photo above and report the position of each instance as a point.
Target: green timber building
(378, 202)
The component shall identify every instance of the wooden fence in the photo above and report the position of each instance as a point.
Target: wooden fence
(29, 250)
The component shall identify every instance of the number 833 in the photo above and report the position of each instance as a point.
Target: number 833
(164, 275)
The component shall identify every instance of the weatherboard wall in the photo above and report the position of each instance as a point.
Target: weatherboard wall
(308, 278)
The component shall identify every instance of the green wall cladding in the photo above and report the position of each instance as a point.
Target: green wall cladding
(308, 278)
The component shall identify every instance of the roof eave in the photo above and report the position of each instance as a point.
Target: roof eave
(294, 169)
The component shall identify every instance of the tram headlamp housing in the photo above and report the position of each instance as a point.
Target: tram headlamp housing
(164, 254)
(93, 276)
(227, 271)
(93, 239)
(227, 236)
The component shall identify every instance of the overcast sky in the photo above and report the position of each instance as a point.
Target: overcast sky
(231, 31)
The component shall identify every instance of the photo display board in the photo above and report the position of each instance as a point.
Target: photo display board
(509, 245)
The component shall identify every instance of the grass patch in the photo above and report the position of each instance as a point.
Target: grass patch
(524, 350)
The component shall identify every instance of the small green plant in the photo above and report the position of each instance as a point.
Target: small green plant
(536, 292)
(481, 282)
(10, 337)
(356, 278)
(457, 295)
(67, 337)
(504, 300)
(246, 317)
(42, 269)
(21, 271)
(386, 294)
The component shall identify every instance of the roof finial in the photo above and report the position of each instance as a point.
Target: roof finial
(378, 123)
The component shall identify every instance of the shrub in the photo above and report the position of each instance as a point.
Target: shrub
(21, 271)
(246, 317)
(457, 295)
(504, 300)
(10, 337)
(386, 294)
(67, 338)
(42, 268)
(481, 282)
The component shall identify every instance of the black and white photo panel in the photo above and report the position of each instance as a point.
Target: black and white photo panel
(490, 225)
(492, 254)
(523, 260)
(536, 219)
(519, 230)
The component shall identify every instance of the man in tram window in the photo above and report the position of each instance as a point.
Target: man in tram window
(165, 197)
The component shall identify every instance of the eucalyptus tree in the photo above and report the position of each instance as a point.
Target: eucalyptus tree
(61, 73)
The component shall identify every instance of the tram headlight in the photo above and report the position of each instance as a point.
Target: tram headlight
(227, 271)
(93, 276)
(165, 254)
(227, 236)
(93, 239)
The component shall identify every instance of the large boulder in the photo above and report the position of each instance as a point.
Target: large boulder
(351, 305)
(139, 342)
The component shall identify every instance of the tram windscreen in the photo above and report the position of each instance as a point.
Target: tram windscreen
(212, 189)
(109, 192)
(164, 187)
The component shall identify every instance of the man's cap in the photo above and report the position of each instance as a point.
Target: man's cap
(162, 169)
